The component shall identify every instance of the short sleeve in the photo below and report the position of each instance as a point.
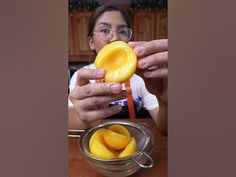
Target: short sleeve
(71, 86)
(73, 81)
(150, 101)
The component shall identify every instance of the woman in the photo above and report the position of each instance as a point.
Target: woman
(91, 102)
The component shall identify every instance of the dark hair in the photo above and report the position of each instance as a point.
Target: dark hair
(99, 11)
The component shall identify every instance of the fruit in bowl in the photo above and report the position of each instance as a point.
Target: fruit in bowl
(112, 143)
(119, 61)
(112, 162)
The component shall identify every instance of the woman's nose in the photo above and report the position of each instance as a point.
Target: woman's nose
(114, 37)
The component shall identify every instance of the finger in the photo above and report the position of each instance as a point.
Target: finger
(96, 101)
(157, 73)
(151, 47)
(95, 115)
(84, 75)
(95, 89)
(134, 44)
(157, 60)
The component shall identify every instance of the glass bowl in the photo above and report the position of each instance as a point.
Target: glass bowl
(123, 166)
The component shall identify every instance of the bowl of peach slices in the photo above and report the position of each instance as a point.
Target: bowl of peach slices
(118, 148)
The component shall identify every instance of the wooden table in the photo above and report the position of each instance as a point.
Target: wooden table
(79, 167)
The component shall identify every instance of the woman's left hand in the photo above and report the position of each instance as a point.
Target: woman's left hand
(153, 60)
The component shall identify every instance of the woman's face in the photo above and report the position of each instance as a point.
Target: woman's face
(107, 29)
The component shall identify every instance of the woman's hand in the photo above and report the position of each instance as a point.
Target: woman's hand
(90, 100)
(153, 57)
(153, 60)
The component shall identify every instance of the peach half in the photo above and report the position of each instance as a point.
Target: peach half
(119, 61)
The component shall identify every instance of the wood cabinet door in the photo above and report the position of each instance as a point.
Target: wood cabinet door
(70, 30)
(144, 25)
(161, 24)
(78, 42)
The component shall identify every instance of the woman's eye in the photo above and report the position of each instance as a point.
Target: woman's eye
(105, 31)
(123, 32)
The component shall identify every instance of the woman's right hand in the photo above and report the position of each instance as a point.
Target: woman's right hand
(90, 100)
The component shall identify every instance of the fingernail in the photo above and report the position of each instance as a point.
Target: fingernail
(131, 43)
(139, 50)
(115, 88)
(117, 108)
(141, 63)
(100, 72)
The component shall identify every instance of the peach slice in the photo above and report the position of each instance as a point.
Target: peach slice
(119, 61)
(130, 149)
(115, 140)
(112, 142)
(119, 129)
(98, 134)
(98, 148)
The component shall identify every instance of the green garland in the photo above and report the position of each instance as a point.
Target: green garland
(135, 5)
(83, 5)
(150, 5)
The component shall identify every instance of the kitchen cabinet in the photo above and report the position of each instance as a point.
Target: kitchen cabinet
(143, 25)
(70, 30)
(161, 24)
(78, 43)
(147, 25)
